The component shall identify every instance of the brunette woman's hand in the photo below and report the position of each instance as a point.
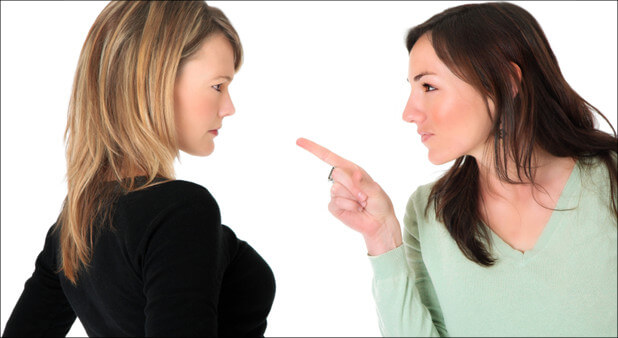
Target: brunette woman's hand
(359, 202)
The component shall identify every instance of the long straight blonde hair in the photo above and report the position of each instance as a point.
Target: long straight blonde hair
(121, 112)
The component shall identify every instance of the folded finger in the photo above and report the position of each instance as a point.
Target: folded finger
(339, 190)
(344, 204)
(352, 181)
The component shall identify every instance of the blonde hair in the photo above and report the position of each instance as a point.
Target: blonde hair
(121, 111)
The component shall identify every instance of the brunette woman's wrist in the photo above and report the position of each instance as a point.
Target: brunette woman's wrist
(385, 239)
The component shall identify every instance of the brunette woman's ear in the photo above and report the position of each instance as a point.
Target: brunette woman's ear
(516, 82)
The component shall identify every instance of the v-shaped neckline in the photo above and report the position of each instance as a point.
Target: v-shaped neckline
(569, 191)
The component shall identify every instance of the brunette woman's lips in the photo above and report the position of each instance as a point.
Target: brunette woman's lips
(214, 132)
(425, 136)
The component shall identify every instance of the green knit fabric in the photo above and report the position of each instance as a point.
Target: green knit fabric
(565, 286)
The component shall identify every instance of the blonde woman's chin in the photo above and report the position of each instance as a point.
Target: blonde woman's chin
(206, 151)
(201, 150)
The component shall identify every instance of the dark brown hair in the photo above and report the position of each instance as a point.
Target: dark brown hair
(481, 44)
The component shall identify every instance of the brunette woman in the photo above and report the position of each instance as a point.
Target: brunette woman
(518, 238)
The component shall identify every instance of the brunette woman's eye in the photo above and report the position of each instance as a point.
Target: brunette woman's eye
(217, 87)
(428, 87)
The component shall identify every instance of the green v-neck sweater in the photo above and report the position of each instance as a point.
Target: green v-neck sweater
(565, 286)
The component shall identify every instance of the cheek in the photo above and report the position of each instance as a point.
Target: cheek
(466, 113)
(194, 117)
(451, 117)
(460, 124)
(194, 110)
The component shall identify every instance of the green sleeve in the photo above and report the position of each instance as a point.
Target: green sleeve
(414, 257)
(405, 299)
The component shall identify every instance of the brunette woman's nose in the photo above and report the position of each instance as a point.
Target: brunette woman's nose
(412, 113)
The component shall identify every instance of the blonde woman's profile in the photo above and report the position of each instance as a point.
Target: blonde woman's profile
(134, 251)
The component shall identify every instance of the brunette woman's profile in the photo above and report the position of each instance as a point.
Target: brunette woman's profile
(518, 237)
(135, 252)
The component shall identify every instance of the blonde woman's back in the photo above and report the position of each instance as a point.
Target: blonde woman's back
(168, 267)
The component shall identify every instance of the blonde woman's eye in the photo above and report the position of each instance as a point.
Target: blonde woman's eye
(217, 87)
(428, 87)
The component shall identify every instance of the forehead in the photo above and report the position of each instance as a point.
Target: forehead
(423, 58)
(214, 56)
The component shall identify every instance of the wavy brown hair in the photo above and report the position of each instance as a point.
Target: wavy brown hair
(121, 112)
(481, 44)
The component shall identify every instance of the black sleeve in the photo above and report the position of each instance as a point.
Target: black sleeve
(184, 256)
(42, 308)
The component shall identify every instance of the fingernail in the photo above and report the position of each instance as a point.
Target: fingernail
(362, 196)
(364, 204)
(360, 209)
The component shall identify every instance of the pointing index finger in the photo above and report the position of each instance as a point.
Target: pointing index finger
(321, 152)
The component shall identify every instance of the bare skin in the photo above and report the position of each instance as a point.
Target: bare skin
(453, 120)
(518, 213)
(359, 202)
(201, 98)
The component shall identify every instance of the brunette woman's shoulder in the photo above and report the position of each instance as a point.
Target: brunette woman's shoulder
(417, 202)
(421, 193)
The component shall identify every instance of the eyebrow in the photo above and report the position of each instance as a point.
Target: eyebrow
(419, 76)
(224, 77)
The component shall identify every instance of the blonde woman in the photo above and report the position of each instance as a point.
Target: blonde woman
(135, 252)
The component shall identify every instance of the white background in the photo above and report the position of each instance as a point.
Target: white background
(332, 72)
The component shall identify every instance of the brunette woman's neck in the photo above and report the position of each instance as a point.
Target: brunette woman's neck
(549, 174)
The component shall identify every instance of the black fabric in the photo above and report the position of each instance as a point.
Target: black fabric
(168, 268)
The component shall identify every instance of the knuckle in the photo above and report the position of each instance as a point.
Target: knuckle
(342, 203)
(335, 205)
(333, 189)
(338, 174)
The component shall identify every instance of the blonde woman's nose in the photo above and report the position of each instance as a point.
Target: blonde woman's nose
(227, 108)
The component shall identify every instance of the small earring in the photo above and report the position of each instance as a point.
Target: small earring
(501, 133)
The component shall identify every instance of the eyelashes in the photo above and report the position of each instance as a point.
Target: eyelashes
(428, 87)
(217, 87)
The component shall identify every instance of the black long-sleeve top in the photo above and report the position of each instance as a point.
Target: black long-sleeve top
(168, 268)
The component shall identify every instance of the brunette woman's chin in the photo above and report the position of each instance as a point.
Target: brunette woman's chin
(438, 158)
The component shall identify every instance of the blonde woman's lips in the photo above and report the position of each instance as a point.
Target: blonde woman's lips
(214, 132)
